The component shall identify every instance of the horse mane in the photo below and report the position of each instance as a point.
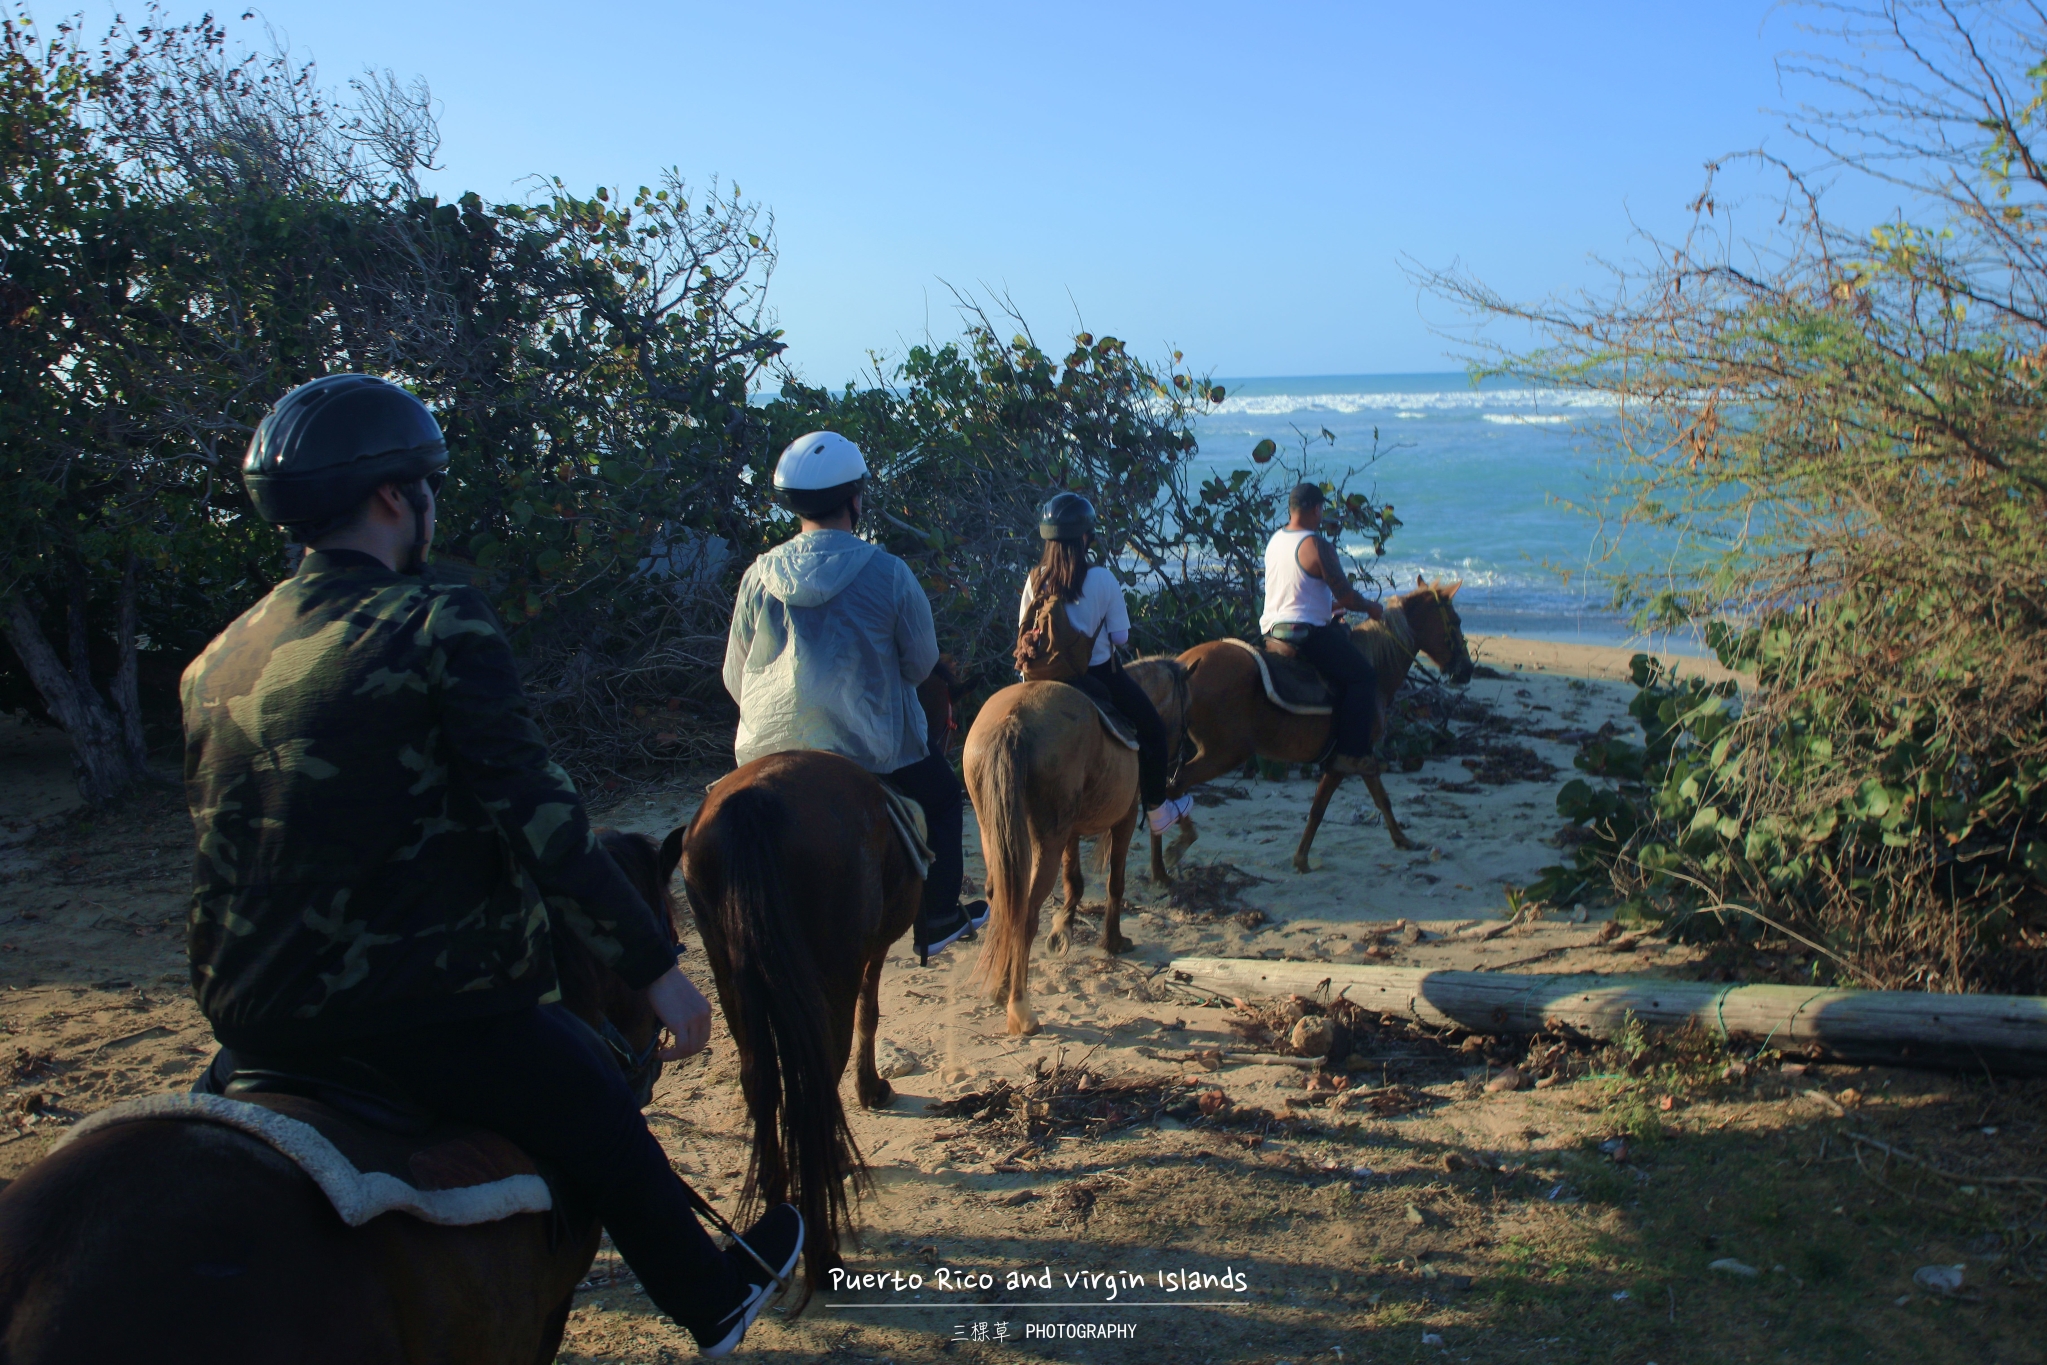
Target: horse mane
(1382, 650)
(589, 989)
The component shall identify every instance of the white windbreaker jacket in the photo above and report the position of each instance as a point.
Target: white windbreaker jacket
(830, 637)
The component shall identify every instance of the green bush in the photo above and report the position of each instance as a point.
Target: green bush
(191, 230)
(1844, 434)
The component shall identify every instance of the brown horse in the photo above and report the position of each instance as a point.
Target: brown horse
(1044, 774)
(800, 884)
(173, 1241)
(1230, 719)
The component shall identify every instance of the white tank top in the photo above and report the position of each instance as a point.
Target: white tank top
(1291, 593)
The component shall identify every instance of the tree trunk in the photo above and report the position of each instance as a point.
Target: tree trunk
(127, 691)
(78, 644)
(1904, 1028)
(100, 754)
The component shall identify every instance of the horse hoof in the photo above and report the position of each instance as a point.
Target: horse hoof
(1056, 943)
(1300, 863)
(1117, 944)
(876, 1096)
(1026, 1028)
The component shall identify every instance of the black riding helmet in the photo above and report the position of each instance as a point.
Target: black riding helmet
(1068, 516)
(330, 443)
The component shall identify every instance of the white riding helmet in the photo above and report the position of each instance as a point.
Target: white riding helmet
(821, 459)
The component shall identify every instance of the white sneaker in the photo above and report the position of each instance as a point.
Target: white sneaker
(765, 1259)
(1171, 813)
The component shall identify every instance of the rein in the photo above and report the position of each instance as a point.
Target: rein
(1397, 626)
(1182, 694)
(634, 1064)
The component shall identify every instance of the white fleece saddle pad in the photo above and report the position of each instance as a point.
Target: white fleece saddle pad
(452, 1176)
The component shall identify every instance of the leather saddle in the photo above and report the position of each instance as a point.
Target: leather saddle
(1291, 682)
(1295, 679)
(1113, 719)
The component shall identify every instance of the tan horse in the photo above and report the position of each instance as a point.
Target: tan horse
(1231, 720)
(1044, 774)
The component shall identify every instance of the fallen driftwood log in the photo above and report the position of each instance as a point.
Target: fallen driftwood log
(2005, 1033)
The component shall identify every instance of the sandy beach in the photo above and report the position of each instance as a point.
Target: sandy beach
(1608, 663)
(1348, 1226)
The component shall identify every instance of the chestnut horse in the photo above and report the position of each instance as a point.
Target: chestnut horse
(1230, 719)
(800, 884)
(1043, 774)
(178, 1241)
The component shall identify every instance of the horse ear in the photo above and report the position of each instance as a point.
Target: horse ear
(1451, 591)
(1420, 582)
(671, 853)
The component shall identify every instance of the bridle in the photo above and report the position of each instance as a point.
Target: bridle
(1182, 699)
(1453, 636)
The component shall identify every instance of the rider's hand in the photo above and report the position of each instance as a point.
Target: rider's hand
(684, 1010)
(1374, 610)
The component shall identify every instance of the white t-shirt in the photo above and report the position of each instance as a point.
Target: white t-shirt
(1099, 612)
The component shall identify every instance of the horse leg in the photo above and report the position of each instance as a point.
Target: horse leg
(1020, 1017)
(1061, 937)
(1385, 805)
(874, 1092)
(1184, 835)
(1324, 789)
(1119, 850)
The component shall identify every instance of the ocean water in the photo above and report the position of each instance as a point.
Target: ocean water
(1492, 485)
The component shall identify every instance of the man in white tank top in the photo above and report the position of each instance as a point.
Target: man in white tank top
(1304, 586)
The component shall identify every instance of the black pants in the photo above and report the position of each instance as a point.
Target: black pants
(1330, 650)
(931, 783)
(1126, 696)
(540, 1077)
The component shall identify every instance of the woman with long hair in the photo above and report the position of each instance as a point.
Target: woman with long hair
(1095, 607)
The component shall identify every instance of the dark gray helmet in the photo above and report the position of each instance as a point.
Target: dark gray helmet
(330, 443)
(1068, 516)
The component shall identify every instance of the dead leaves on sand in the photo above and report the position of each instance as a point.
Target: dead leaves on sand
(1207, 892)
(1062, 1101)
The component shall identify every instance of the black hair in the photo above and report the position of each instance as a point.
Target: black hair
(1304, 497)
(816, 504)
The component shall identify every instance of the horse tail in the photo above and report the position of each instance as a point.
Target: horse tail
(779, 1025)
(1002, 805)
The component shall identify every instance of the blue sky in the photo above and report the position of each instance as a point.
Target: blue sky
(1238, 181)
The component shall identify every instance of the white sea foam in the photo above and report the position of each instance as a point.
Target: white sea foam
(1413, 404)
(1527, 418)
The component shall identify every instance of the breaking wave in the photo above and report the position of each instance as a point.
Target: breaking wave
(1509, 404)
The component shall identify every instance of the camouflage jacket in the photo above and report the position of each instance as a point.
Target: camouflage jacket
(379, 825)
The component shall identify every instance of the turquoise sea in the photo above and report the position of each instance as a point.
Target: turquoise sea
(1489, 481)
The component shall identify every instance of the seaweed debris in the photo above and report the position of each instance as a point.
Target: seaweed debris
(1207, 892)
(1063, 1101)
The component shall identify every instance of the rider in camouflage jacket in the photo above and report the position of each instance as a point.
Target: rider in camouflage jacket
(351, 877)
(385, 853)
